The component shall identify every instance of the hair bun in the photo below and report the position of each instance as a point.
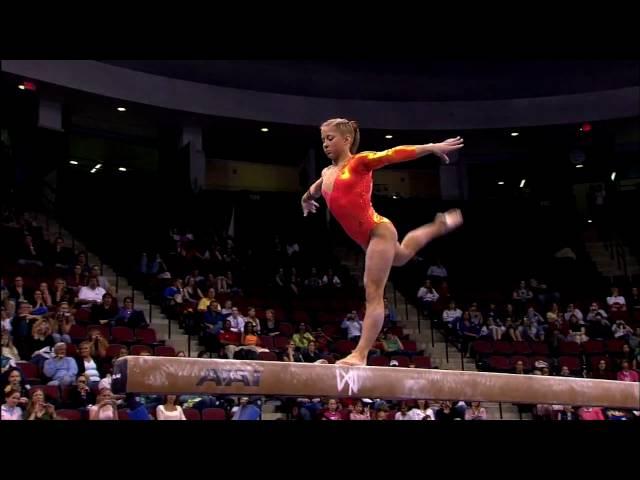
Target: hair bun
(354, 124)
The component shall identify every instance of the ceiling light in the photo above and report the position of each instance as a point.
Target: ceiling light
(122, 169)
(21, 87)
(613, 176)
(580, 165)
(93, 170)
(73, 162)
(500, 182)
(388, 136)
(589, 221)
(522, 182)
(121, 109)
(514, 134)
(264, 129)
(98, 166)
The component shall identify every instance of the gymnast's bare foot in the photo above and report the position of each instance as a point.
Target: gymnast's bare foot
(353, 360)
(449, 221)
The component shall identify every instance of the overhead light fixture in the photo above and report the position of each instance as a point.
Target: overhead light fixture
(98, 166)
(515, 134)
(21, 87)
(122, 169)
(500, 182)
(522, 182)
(613, 176)
(93, 170)
(264, 129)
(395, 195)
(73, 162)
(580, 165)
(121, 109)
(388, 136)
(589, 221)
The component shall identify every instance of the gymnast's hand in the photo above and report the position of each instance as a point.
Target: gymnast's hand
(309, 206)
(450, 145)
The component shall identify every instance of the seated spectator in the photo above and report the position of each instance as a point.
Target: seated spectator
(22, 329)
(564, 371)
(469, 332)
(302, 337)
(292, 354)
(566, 414)
(534, 317)
(228, 308)
(332, 412)
(192, 294)
(599, 328)
(359, 412)
(169, 410)
(62, 370)
(81, 396)
(77, 279)
(403, 414)
(251, 318)
(19, 293)
(603, 372)
(381, 414)
(237, 320)
(511, 332)
(530, 331)
(246, 411)
(621, 330)
(61, 293)
(5, 318)
(128, 316)
(203, 304)
(445, 413)
(38, 409)
(10, 353)
(294, 282)
(476, 412)
(594, 310)
(391, 345)
(212, 323)
(101, 279)
(437, 272)
(421, 411)
(10, 408)
(228, 339)
(39, 305)
(452, 317)
(521, 296)
(353, 326)
(41, 337)
(427, 296)
(12, 379)
(572, 310)
(29, 253)
(615, 414)
(99, 344)
(250, 340)
(554, 314)
(61, 323)
(173, 297)
(634, 300)
(104, 313)
(313, 281)
(616, 302)
(626, 374)
(519, 368)
(91, 294)
(87, 365)
(81, 259)
(331, 280)
(590, 413)
(311, 354)
(105, 408)
(60, 256)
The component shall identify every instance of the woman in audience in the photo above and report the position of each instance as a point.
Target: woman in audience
(590, 413)
(12, 379)
(61, 293)
(104, 313)
(10, 408)
(292, 354)
(99, 344)
(302, 338)
(10, 353)
(332, 412)
(359, 412)
(511, 333)
(251, 318)
(422, 410)
(271, 325)
(192, 293)
(77, 280)
(105, 408)
(41, 336)
(311, 354)
(87, 365)
(61, 323)
(39, 304)
(476, 412)
(626, 374)
(81, 396)
(169, 410)
(602, 372)
(577, 330)
(38, 409)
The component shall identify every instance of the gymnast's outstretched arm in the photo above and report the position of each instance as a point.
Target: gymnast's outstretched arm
(375, 160)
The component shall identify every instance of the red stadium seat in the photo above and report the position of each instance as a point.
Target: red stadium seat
(164, 351)
(69, 414)
(113, 350)
(378, 361)
(122, 335)
(421, 361)
(146, 335)
(570, 361)
(593, 347)
(192, 414)
(499, 364)
(213, 414)
(267, 357)
(502, 348)
(569, 348)
(403, 361)
(522, 348)
(266, 341)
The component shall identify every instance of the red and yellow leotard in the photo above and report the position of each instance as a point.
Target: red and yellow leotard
(350, 200)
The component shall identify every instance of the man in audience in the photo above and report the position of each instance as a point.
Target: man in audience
(102, 280)
(91, 294)
(105, 312)
(62, 370)
(19, 293)
(237, 321)
(427, 296)
(60, 256)
(616, 302)
(452, 317)
(29, 254)
(437, 272)
(353, 325)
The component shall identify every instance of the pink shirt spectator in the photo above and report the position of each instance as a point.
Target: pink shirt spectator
(628, 376)
(589, 413)
(332, 415)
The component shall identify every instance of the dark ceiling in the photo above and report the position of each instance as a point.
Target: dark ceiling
(402, 80)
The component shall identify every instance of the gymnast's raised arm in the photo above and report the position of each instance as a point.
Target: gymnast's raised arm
(375, 160)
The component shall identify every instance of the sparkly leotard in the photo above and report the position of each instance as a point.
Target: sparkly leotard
(350, 200)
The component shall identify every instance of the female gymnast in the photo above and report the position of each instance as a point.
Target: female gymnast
(346, 187)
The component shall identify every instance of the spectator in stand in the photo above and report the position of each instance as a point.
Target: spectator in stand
(314, 280)
(572, 310)
(359, 412)
(61, 323)
(39, 305)
(564, 371)
(616, 302)
(237, 321)
(428, 296)
(12, 379)
(38, 409)
(626, 374)
(353, 326)
(30, 254)
(476, 412)
(469, 331)
(19, 293)
(61, 293)
(530, 331)
(554, 314)
(128, 316)
(251, 318)
(403, 414)
(246, 411)
(228, 339)
(292, 354)
(10, 354)
(534, 317)
(422, 410)
(212, 321)
(77, 279)
(227, 309)
(452, 318)
(81, 396)
(271, 325)
(603, 372)
(577, 330)
(294, 282)
(332, 412)
(311, 354)
(599, 328)
(62, 370)
(169, 410)
(511, 333)
(92, 369)
(41, 338)
(621, 330)
(104, 313)
(22, 329)
(192, 293)
(105, 408)
(204, 303)
(634, 301)
(81, 260)
(101, 279)
(521, 296)
(331, 280)
(445, 413)
(391, 345)
(99, 344)
(10, 408)
(519, 368)
(567, 414)
(437, 273)
(390, 316)
(91, 294)
(594, 310)
(6, 319)
(591, 413)
(60, 256)
(302, 337)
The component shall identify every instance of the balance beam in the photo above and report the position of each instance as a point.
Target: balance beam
(178, 375)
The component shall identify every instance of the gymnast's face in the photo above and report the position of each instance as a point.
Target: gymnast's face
(334, 143)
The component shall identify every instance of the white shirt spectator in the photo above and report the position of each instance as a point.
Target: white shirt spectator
(162, 414)
(621, 329)
(354, 327)
(417, 414)
(293, 248)
(575, 312)
(428, 296)
(6, 325)
(437, 271)
(617, 299)
(401, 416)
(450, 315)
(237, 323)
(87, 293)
(591, 316)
